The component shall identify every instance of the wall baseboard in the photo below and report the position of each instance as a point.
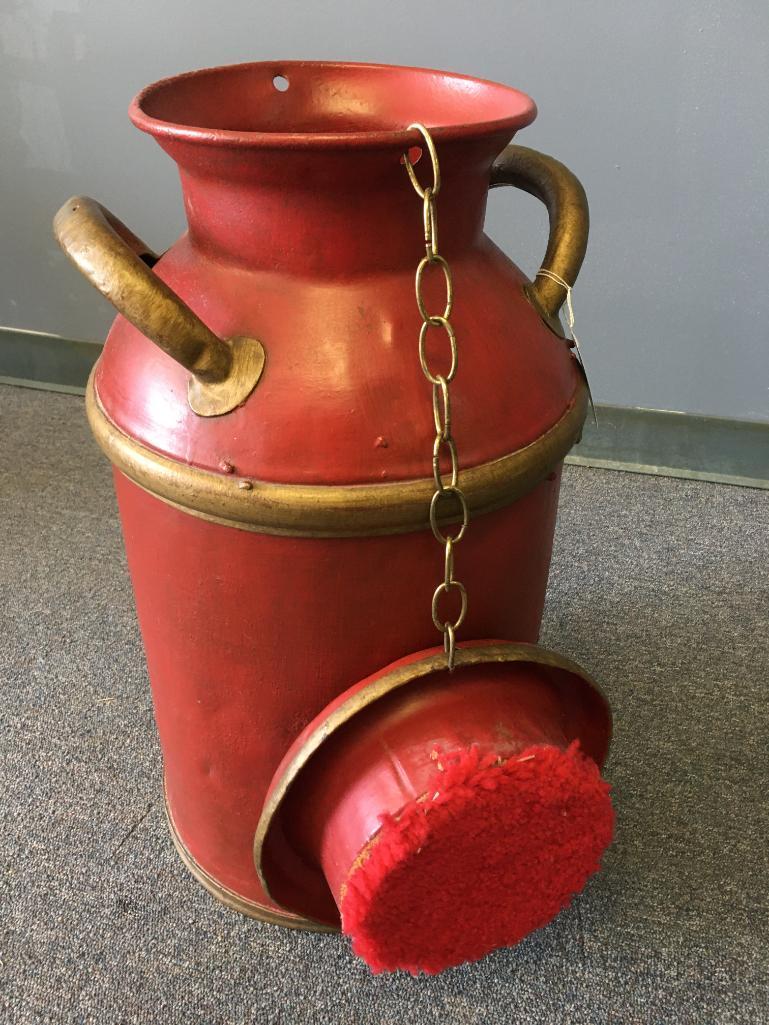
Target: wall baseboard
(651, 441)
(671, 444)
(34, 359)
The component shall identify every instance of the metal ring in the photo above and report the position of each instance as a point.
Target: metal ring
(444, 589)
(425, 262)
(438, 322)
(448, 492)
(436, 185)
(448, 562)
(450, 646)
(430, 218)
(437, 475)
(442, 421)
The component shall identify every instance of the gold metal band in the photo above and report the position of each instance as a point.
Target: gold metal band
(355, 510)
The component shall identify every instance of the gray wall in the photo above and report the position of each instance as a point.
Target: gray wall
(661, 108)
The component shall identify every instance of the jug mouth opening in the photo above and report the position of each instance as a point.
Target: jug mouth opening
(300, 104)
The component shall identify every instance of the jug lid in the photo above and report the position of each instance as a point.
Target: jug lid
(381, 801)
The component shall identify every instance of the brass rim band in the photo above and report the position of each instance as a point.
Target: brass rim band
(354, 510)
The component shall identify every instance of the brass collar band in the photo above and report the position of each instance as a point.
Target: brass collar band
(320, 510)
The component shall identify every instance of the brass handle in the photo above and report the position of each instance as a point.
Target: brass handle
(224, 373)
(561, 192)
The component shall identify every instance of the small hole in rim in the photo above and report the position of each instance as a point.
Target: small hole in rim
(281, 83)
(414, 154)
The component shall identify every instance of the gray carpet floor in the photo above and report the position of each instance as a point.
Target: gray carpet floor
(660, 587)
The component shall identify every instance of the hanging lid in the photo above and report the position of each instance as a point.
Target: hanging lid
(441, 815)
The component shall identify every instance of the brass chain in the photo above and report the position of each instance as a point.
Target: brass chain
(446, 492)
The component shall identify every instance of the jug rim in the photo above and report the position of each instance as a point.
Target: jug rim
(496, 109)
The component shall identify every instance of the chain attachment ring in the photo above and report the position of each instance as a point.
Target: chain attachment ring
(450, 646)
(435, 188)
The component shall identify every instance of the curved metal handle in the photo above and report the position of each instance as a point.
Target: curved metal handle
(119, 264)
(561, 192)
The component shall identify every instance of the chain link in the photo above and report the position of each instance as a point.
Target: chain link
(447, 488)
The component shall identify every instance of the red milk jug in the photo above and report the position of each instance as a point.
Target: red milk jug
(279, 461)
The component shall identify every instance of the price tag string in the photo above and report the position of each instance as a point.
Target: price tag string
(544, 273)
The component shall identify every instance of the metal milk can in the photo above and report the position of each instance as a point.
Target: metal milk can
(316, 467)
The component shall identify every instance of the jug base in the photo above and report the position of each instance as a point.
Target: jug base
(231, 899)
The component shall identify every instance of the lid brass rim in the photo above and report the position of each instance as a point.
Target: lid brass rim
(320, 510)
(386, 684)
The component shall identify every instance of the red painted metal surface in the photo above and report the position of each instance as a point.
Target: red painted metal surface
(311, 246)
(249, 636)
(305, 232)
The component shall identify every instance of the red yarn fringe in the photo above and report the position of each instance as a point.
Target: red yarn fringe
(493, 850)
